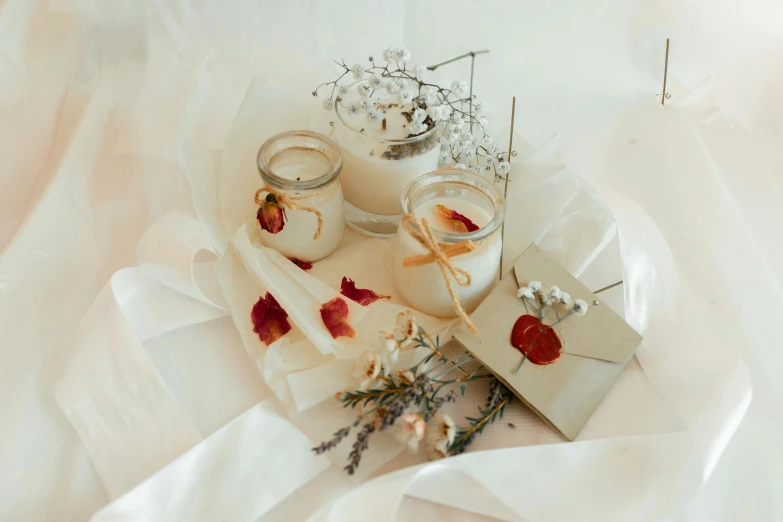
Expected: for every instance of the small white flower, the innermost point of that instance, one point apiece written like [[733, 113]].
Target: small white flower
[[480, 107], [419, 115], [565, 299], [503, 167], [487, 142], [407, 327], [482, 121], [419, 72], [525, 293], [327, 104], [550, 295], [363, 90], [445, 160], [534, 285], [459, 88], [375, 81], [395, 86], [580, 307], [402, 54], [461, 166], [374, 115], [404, 97], [412, 430], [441, 436], [343, 90], [417, 128], [489, 161], [388, 54], [354, 109], [406, 376], [392, 346], [358, 71], [368, 370], [367, 105]]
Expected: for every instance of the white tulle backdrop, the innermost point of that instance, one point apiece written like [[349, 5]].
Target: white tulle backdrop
[[114, 110]]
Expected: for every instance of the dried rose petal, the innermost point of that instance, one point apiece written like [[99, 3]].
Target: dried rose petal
[[462, 223], [304, 265], [270, 215], [536, 340], [362, 296], [270, 321], [334, 314]]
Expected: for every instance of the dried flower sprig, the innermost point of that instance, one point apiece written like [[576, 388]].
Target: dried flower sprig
[[408, 399], [499, 397], [465, 142]]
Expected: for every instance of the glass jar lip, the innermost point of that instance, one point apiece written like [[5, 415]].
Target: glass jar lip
[[469, 179], [414, 139], [330, 148]]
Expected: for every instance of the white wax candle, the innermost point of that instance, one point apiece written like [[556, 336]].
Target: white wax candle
[[296, 238], [424, 286], [374, 181]]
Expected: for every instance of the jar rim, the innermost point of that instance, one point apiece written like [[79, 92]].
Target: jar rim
[[413, 139], [328, 148], [469, 179]]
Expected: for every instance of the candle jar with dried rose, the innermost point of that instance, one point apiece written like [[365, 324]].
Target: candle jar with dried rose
[[300, 206], [380, 158], [462, 209]]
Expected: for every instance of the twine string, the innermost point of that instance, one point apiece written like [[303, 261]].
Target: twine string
[[421, 232], [284, 200]]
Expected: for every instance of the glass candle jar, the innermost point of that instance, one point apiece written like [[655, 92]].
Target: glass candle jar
[[471, 196], [379, 160], [300, 172]]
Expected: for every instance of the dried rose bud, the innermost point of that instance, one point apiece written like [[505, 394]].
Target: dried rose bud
[[334, 314], [271, 215], [270, 321], [461, 223], [304, 265], [362, 296]]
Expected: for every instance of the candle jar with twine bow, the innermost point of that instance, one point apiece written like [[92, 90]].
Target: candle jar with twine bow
[[300, 205], [448, 247]]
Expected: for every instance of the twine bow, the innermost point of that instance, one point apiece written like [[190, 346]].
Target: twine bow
[[284, 200], [420, 231]]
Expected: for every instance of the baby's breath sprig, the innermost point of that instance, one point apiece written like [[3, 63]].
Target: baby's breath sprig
[[460, 118]]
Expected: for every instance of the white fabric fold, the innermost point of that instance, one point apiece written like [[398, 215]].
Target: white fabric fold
[[239, 473], [110, 390]]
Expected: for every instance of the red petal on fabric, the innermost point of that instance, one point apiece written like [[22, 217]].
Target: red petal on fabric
[[362, 296], [270, 215], [304, 265], [536, 340], [466, 224], [334, 314], [270, 321]]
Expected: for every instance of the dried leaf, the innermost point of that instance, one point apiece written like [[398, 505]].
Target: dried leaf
[[334, 314], [461, 223], [362, 296], [537, 341], [304, 265], [270, 321], [270, 215]]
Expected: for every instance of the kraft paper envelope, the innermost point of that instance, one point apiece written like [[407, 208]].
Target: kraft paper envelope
[[596, 346]]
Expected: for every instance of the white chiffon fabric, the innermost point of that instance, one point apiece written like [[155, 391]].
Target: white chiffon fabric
[[130, 394]]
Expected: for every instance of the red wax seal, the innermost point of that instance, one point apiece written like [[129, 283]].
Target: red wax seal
[[537, 341]]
